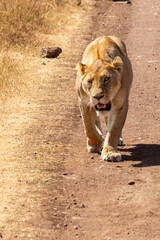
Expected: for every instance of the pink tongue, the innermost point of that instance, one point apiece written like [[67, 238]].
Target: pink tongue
[[100, 105]]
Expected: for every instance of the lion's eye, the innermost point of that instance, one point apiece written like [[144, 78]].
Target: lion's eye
[[106, 79], [90, 82]]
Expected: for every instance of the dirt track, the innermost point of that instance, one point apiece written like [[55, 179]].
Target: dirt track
[[51, 188]]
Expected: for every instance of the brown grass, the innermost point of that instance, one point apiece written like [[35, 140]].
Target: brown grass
[[24, 27], [9, 75], [21, 21]]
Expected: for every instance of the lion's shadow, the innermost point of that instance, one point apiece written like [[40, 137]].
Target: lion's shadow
[[147, 154]]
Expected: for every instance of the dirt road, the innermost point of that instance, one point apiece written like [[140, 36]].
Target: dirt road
[[50, 187]]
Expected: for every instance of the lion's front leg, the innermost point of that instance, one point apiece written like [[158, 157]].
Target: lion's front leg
[[120, 143], [92, 128], [115, 124]]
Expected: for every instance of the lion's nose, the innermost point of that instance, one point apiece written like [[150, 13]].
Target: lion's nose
[[98, 96]]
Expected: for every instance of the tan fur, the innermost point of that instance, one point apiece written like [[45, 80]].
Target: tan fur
[[105, 71]]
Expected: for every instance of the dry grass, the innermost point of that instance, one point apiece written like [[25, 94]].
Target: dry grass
[[9, 75], [24, 26], [21, 21]]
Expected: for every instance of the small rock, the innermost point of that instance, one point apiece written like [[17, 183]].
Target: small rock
[[115, 214], [119, 166], [139, 138], [101, 166], [65, 174], [76, 227], [50, 52], [91, 157], [65, 224], [150, 212], [131, 183], [82, 205], [58, 226], [74, 202], [1, 235]]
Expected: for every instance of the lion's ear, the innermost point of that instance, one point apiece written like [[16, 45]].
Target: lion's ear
[[81, 68], [118, 63]]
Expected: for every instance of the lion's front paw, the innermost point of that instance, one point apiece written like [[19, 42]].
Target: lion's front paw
[[111, 156]]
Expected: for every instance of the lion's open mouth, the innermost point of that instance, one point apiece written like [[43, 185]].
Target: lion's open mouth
[[103, 107]]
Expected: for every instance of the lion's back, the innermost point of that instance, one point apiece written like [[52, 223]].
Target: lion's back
[[105, 48]]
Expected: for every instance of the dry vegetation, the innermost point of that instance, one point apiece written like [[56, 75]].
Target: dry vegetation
[[22, 25], [9, 71], [21, 21]]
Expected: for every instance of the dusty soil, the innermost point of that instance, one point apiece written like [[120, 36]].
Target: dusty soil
[[50, 187]]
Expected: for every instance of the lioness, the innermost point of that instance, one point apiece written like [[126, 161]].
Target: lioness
[[103, 84]]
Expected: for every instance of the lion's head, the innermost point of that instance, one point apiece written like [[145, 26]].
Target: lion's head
[[100, 82]]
